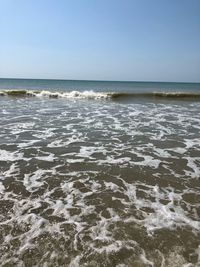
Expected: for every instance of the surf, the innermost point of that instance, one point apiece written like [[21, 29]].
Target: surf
[[100, 95]]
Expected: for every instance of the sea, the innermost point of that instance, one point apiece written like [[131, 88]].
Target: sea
[[99, 173]]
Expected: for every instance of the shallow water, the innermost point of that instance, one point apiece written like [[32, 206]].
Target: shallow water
[[99, 182]]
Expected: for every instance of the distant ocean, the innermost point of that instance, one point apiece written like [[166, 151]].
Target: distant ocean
[[97, 173]]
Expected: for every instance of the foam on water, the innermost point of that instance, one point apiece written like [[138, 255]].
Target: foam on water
[[69, 95], [50, 157], [2, 188], [34, 180], [90, 94], [10, 156], [100, 184], [193, 164]]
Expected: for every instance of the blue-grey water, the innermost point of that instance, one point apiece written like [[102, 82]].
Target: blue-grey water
[[99, 173], [100, 86]]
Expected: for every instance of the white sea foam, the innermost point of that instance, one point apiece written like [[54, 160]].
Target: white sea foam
[[34, 180], [72, 139], [27, 143], [45, 133], [50, 157], [99, 182], [161, 152], [2, 188], [148, 161], [179, 150], [192, 143], [168, 215], [145, 260], [73, 94], [20, 127], [111, 186], [112, 160], [10, 156], [13, 170], [194, 165], [87, 152], [75, 262]]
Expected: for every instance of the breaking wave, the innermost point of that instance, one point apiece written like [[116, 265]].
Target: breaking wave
[[100, 95], [50, 94]]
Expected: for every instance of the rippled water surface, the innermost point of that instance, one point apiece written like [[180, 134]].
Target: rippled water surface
[[99, 182]]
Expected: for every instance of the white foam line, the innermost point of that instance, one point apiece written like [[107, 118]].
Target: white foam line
[[73, 94], [27, 143], [51, 157]]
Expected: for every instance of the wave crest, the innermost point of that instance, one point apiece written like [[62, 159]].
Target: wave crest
[[50, 94], [99, 95]]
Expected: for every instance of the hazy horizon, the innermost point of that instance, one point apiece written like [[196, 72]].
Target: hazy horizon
[[90, 80]]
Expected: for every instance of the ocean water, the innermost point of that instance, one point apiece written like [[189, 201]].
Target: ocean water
[[99, 173]]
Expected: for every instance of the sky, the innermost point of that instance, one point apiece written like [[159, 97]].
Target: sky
[[130, 40]]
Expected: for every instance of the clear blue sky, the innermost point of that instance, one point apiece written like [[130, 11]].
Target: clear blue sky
[[144, 40]]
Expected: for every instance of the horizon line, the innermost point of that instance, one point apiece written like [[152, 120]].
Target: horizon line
[[93, 80]]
